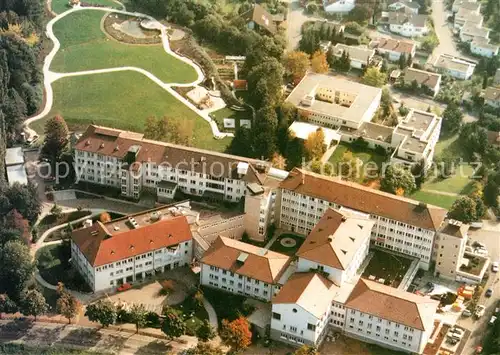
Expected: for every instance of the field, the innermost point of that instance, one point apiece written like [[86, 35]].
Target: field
[[122, 100], [388, 266], [59, 6], [459, 183], [85, 47], [434, 199]]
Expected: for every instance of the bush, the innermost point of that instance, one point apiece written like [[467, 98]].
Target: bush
[[380, 150], [360, 143], [153, 320]]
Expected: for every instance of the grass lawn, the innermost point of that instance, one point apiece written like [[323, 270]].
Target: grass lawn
[[193, 316], [434, 199], [123, 100], [85, 47], [458, 183], [365, 155], [53, 265], [50, 220], [226, 112], [449, 147], [279, 248], [59, 6], [226, 305], [387, 266]]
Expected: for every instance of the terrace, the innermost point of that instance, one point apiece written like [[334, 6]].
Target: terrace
[[388, 266]]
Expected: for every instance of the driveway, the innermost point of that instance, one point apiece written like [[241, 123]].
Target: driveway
[[295, 19]]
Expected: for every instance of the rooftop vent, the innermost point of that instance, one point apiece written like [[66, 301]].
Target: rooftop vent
[[112, 252], [360, 226], [352, 239], [87, 143], [155, 216], [101, 146], [343, 219], [343, 251], [330, 239], [131, 247], [133, 222], [170, 235], [116, 228], [242, 258], [116, 148]]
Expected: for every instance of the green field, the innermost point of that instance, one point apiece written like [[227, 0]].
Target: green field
[[365, 155], [459, 183], [59, 6], [104, 99], [226, 112], [85, 47], [434, 199]]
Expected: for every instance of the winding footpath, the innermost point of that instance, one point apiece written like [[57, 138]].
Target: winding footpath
[[50, 76]]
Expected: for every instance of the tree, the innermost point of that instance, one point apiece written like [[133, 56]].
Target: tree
[[297, 63], [315, 144], [138, 315], [319, 63], [17, 268], [56, 211], [490, 193], [452, 119], [402, 62], [360, 13], [464, 209], [173, 326], [236, 334], [373, 77], [56, 138], [34, 304], [474, 138], [349, 167], [102, 311], [105, 217], [278, 161], [205, 332], [241, 144], [7, 305], [24, 198], [264, 132], [205, 349], [68, 305], [265, 81], [398, 180], [306, 350], [418, 171]]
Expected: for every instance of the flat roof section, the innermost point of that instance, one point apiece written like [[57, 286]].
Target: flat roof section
[[365, 95], [17, 173], [14, 156]]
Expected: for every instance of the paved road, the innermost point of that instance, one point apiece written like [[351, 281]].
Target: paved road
[[489, 235], [295, 19], [103, 340]]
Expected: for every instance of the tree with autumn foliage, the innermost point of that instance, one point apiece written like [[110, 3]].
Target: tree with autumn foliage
[[56, 138], [67, 305], [105, 217], [306, 350], [398, 180], [296, 64], [236, 334], [7, 305], [319, 64], [315, 144], [278, 161]]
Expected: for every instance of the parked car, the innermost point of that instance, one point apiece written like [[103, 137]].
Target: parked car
[[492, 320], [476, 224], [494, 266], [466, 313], [479, 311], [489, 292], [459, 331]]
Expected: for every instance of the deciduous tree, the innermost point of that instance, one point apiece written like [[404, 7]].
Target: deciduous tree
[[105, 217], [138, 315], [56, 138], [464, 209], [373, 77], [102, 311], [205, 332], [319, 63], [205, 349], [7, 305], [236, 334], [306, 350], [17, 268], [452, 119], [68, 305], [34, 304], [397, 180], [315, 144], [173, 326], [297, 63]]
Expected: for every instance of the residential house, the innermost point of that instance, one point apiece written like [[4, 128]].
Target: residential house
[[471, 4], [464, 15], [360, 57], [130, 249], [257, 18], [470, 32], [407, 6], [393, 48], [395, 319], [244, 269], [492, 97], [423, 78], [338, 6], [482, 48], [455, 67], [408, 25]]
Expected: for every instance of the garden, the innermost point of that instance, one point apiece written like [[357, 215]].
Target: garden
[[226, 112], [123, 100], [55, 219], [85, 47], [54, 266], [388, 266], [226, 305], [287, 244]]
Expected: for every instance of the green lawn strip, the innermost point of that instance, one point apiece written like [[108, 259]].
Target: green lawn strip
[[365, 155], [434, 199], [226, 112], [85, 47], [449, 147], [279, 248], [458, 183], [59, 6], [123, 100], [192, 316]]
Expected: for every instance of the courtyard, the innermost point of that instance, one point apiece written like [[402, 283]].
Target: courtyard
[[387, 266], [287, 244]]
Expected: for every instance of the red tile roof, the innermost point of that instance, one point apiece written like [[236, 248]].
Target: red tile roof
[[100, 247], [364, 199]]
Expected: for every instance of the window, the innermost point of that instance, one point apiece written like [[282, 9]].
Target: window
[[311, 327], [293, 329], [276, 316]]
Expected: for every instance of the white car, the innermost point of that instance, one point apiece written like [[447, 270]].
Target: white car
[[494, 266], [492, 320], [479, 311], [466, 313]]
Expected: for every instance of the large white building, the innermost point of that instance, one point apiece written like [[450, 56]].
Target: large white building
[[400, 224], [130, 249], [243, 269], [338, 6], [408, 25], [455, 67]]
